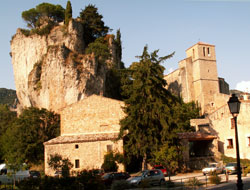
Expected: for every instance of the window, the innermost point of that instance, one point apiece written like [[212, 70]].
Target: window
[[248, 141], [109, 148], [230, 143], [77, 164], [76, 146], [232, 123], [208, 51], [204, 51], [193, 54]]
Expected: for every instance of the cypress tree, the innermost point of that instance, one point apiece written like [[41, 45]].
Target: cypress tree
[[68, 13], [147, 106]]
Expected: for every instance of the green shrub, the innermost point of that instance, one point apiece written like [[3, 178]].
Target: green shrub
[[109, 164], [194, 182], [25, 32], [120, 185], [246, 171], [214, 179]]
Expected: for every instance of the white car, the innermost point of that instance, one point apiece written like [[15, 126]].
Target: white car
[[212, 168], [151, 176]]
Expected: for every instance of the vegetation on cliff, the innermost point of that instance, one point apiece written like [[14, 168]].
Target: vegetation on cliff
[[8, 97], [93, 24], [68, 13]]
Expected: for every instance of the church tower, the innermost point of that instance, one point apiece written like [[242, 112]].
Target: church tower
[[204, 74]]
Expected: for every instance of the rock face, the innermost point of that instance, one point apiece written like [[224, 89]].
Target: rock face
[[52, 72]]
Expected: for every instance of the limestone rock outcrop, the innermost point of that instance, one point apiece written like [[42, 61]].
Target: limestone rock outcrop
[[52, 71]]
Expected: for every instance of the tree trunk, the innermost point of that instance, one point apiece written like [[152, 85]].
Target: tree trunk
[[144, 162]]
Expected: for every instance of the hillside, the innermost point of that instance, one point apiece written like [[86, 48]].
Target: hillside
[[8, 96]]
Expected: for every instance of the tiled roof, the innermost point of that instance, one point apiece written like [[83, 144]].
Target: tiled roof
[[82, 138], [196, 136]]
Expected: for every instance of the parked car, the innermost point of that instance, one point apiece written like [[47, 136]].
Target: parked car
[[108, 178], [160, 167], [151, 176], [212, 168], [58, 173], [34, 174], [231, 168]]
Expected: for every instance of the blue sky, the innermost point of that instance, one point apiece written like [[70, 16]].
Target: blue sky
[[168, 25]]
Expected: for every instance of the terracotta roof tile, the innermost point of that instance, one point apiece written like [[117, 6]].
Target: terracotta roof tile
[[82, 138]]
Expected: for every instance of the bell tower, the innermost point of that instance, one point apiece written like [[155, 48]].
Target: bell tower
[[204, 74]]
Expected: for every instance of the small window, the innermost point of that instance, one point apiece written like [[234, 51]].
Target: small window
[[193, 54], [248, 140], [109, 148], [204, 51], [77, 164], [232, 123], [76, 146], [208, 51], [230, 143]]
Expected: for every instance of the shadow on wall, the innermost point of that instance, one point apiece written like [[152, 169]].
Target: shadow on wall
[[220, 145], [175, 88]]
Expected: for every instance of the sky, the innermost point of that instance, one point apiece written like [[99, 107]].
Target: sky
[[167, 25]]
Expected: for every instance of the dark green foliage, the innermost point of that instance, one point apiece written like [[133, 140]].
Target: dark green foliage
[[43, 13], [183, 112], [148, 106], [23, 141], [85, 180], [57, 163], [93, 25], [100, 48], [7, 117], [109, 164], [68, 13], [119, 44], [113, 83], [89, 180], [7, 96]]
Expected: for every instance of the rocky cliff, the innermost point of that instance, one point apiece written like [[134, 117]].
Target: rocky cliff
[[52, 71]]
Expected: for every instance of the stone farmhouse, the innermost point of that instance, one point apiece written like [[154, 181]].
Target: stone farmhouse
[[88, 131], [90, 126]]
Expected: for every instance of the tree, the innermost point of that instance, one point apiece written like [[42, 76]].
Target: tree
[[148, 106], [43, 13], [68, 13], [23, 141], [7, 117], [93, 25], [57, 162], [168, 156], [109, 164]]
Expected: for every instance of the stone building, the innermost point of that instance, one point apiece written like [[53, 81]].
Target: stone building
[[197, 80], [89, 129]]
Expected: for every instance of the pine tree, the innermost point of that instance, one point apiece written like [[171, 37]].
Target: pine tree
[[93, 25], [119, 49], [148, 106], [68, 13]]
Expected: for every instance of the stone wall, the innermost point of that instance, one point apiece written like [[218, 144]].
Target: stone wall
[[220, 122], [94, 114]]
